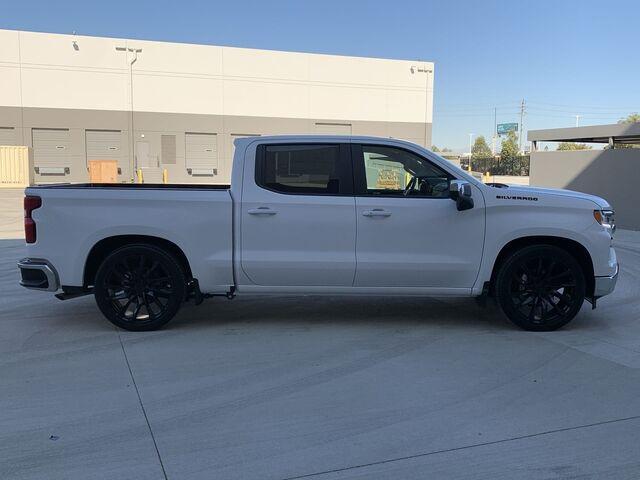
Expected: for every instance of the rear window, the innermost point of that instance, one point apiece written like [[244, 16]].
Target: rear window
[[302, 169]]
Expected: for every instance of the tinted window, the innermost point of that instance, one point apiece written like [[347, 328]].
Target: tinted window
[[301, 169], [394, 171]]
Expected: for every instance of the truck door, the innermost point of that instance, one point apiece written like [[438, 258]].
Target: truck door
[[298, 222], [410, 233]]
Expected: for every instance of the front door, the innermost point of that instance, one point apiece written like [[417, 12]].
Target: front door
[[298, 216], [410, 234]]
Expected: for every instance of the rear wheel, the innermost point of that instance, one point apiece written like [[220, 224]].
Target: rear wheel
[[540, 287], [139, 287]]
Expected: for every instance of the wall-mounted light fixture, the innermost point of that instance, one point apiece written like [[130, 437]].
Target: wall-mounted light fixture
[[75, 46]]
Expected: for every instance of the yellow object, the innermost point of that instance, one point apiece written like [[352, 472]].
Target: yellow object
[[15, 171], [165, 175], [139, 173]]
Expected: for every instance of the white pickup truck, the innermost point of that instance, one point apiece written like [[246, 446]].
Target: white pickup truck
[[321, 215]]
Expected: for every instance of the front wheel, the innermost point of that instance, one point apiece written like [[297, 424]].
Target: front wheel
[[139, 287], [540, 287]]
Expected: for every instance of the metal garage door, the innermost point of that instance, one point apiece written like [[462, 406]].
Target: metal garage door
[[7, 136], [51, 148], [233, 136], [104, 145], [201, 153], [326, 128]]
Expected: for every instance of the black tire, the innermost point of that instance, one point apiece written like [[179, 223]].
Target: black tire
[[139, 287], [540, 287]]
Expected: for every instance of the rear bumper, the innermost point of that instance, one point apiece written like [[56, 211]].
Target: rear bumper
[[38, 274], [605, 285]]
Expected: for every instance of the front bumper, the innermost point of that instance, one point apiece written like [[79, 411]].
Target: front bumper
[[605, 285], [38, 274]]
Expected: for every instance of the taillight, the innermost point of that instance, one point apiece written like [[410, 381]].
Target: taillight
[[30, 204]]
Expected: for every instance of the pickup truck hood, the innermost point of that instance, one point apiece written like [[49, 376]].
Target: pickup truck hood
[[531, 191]]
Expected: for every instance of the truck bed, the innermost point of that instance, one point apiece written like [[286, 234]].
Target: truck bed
[[136, 186], [74, 218]]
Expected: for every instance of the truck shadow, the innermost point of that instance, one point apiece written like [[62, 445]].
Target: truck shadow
[[307, 311]]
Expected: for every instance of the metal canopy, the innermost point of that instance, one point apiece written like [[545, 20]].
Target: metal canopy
[[615, 133]]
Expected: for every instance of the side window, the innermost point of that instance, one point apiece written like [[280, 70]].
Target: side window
[[393, 171], [301, 169]]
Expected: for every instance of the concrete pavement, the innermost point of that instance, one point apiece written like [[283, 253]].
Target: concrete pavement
[[311, 387]]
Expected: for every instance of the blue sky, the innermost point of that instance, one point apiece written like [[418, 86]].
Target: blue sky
[[564, 57]]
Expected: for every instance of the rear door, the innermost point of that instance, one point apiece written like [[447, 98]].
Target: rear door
[[410, 233], [298, 224]]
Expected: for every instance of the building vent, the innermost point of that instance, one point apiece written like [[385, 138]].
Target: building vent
[[168, 149]]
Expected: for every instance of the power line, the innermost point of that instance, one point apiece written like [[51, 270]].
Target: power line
[[592, 107]]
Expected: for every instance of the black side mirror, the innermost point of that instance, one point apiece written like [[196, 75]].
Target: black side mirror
[[460, 192]]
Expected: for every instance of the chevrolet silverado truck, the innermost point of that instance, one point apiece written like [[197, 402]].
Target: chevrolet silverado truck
[[321, 215]]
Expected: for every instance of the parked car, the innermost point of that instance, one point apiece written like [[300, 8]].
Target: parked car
[[322, 215]]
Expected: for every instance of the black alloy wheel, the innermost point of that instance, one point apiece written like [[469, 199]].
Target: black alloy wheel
[[139, 287], [541, 287]]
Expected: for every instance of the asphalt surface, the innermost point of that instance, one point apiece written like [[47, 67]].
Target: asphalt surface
[[316, 388]]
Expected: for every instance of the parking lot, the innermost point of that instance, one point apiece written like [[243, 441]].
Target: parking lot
[[283, 388]]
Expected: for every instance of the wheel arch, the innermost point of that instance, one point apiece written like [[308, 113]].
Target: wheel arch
[[572, 247], [107, 245]]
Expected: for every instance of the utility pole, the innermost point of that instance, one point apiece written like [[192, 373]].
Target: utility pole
[[470, 148], [495, 131], [577, 120], [522, 112]]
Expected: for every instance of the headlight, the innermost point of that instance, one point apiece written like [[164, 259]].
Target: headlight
[[607, 219]]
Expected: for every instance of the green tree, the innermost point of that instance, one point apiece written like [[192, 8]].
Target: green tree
[[434, 148], [573, 146], [632, 118], [509, 150], [480, 149]]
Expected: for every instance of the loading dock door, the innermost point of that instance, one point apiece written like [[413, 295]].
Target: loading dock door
[[104, 154], [201, 153], [104, 145], [51, 151], [233, 137], [7, 136]]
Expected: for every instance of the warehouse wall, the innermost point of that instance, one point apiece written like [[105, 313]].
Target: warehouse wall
[[611, 174], [80, 83]]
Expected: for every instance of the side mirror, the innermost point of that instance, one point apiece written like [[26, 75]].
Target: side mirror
[[460, 192]]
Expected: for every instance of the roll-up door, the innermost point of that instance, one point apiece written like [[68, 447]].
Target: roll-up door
[[51, 150], [104, 145], [233, 137], [201, 153], [7, 136]]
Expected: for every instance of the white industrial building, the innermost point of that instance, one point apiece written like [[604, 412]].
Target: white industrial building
[[73, 99]]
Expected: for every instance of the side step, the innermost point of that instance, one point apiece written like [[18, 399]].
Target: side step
[[198, 297]]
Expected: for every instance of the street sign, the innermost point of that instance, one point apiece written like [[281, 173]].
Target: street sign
[[504, 128]]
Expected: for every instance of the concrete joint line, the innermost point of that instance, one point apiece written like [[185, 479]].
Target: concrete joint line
[[466, 447], [144, 412]]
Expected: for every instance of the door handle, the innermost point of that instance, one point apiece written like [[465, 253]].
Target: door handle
[[376, 212], [261, 211]]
